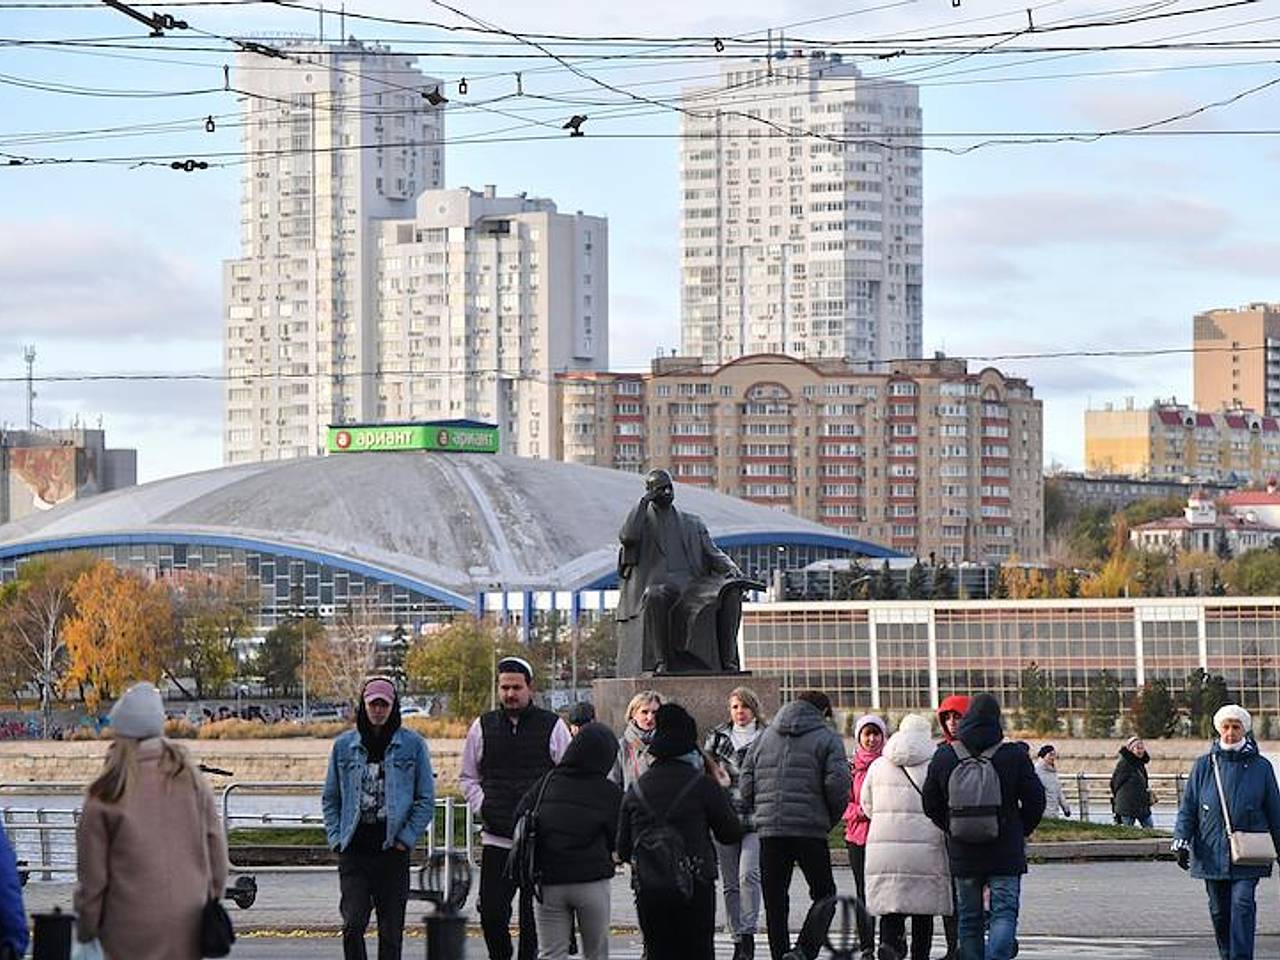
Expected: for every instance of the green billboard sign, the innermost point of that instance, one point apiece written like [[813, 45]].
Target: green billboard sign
[[453, 438]]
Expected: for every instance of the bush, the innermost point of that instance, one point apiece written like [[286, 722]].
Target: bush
[[237, 729], [442, 728], [180, 728]]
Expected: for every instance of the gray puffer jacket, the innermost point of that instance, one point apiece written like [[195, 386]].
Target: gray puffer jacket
[[796, 775]]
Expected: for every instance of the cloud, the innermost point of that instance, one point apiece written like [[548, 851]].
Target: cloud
[[91, 280], [1107, 107], [1039, 218], [1252, 258]]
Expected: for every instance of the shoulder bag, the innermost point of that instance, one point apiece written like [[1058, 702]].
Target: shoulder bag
[[522, 867], [1247, 849], [216, 931]]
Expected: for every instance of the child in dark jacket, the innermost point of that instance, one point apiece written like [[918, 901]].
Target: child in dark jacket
[[577, 826]]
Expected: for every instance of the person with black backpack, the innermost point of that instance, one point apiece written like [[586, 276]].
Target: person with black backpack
[[575, 806], [983, 793], [668, 818]]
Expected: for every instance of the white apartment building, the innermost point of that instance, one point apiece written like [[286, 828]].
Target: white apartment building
[[801, 228], [333, 144], [481, 301]]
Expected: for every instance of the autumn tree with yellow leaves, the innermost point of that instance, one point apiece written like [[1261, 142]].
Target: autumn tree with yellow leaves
[[121, 631]]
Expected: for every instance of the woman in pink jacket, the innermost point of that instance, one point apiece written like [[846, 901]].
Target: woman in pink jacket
[[869, 735]]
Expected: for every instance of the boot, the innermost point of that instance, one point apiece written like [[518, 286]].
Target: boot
[[745, 947]]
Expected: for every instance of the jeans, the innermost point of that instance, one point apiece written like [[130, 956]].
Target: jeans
[[676, 929], [779, 856], [740, 874], [496, 893], [1235, 913], [866, 923], [368, 882], [1140, 821], [893, 931], [561, 902], [1002, 929]]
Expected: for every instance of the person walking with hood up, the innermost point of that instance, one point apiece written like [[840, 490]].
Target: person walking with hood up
[[983, 792], [1232, 788], [1130, 788], [378, 801], [576, 832], [950, 712], [907, 870], [868, 736], [796, 778], [150, 851]]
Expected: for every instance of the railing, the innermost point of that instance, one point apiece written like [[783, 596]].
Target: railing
[[44, 836], [1095, 803]]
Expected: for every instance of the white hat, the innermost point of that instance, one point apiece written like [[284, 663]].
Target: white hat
[[1232, 711], [139, 713], [914, 723]]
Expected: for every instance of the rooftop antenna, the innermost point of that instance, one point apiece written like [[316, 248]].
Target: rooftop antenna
[[321, 11], [29, 358], [342, 21]]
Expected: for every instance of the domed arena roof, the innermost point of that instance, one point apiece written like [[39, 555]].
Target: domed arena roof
[[454, 524]]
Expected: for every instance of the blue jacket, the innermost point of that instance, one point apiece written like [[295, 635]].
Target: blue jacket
[[13, 915], [410, 787], [1252, 797]]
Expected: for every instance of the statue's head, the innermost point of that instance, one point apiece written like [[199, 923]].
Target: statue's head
[[658, 484]]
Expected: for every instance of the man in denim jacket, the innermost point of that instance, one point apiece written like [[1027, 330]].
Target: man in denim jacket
[[379, 797]]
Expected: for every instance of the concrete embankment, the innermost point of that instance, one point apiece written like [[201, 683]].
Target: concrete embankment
[[305, 759]]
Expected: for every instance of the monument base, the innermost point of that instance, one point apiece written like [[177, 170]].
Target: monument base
[[705, 695]]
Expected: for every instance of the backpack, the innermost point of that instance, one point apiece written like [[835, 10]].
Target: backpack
[[659, 861], [974, 797]]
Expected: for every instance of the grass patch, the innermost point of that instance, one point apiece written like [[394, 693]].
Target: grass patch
[[1061, 831]]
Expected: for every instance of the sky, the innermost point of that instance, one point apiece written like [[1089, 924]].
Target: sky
[[1030, 248]]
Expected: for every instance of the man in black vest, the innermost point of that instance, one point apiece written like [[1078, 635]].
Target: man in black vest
[[507, 750]]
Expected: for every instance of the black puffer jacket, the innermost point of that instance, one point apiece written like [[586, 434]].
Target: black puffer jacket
[[704, 808], [1021, 792], [795, 777], [1129, 786], [578, 820]]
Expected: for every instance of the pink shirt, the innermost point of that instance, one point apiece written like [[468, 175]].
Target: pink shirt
[[857, 824]]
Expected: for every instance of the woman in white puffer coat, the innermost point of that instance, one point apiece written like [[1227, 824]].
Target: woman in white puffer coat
[[907, 868]]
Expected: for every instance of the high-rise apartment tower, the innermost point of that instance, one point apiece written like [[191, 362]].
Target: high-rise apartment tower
[[802, 223], [336, 138]]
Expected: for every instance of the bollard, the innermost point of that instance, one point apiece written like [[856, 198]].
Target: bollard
[[446, 935], [52, 938]]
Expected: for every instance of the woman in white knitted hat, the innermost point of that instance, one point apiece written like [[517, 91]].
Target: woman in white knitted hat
[[149, 846], [1232, 788]]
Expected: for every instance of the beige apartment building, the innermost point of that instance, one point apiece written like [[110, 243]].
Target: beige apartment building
[[1237, 359], [926, 458], [1170, 440]]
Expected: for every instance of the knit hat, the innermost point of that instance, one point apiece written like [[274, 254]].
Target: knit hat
[[1128, 744], [675, 734], [915, 724], [869, 719], [139, 713], [1047, 749], [1232, 711]]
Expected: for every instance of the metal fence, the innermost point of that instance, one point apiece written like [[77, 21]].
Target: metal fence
[[41, 824]]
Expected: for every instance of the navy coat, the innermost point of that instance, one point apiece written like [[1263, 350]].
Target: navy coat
[[1252, 797]]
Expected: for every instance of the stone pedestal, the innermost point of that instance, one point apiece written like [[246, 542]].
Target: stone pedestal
[[706, 696]]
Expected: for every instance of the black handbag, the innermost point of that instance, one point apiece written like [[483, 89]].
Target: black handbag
[[217, 933], [522, 866]]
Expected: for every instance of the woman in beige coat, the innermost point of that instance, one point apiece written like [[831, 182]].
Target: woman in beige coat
[[149, 845], [907, 870]]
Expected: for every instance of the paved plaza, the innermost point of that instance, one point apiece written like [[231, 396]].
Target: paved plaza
[[1086, 911]]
